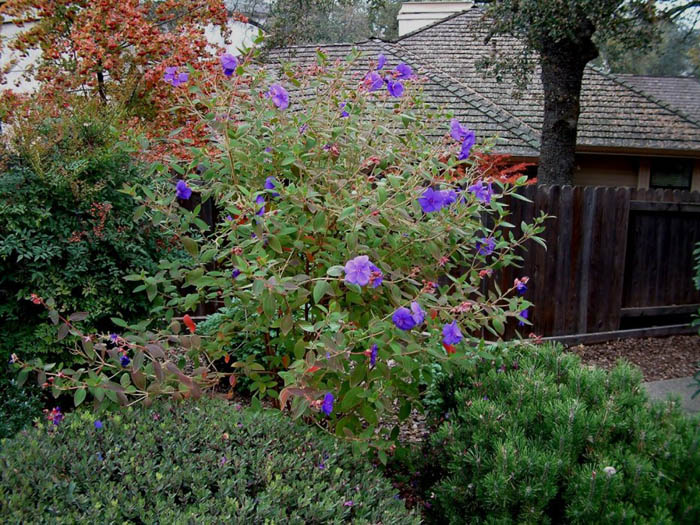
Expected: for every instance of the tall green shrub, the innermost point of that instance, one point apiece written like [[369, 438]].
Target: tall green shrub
[[538, 438], [195, 463], [66, 228]]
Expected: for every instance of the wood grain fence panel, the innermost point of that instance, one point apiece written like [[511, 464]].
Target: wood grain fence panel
[[573, 300], [611, 252], [565, 262]]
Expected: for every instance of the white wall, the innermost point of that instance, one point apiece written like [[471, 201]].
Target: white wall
[[415, 15], [241, 35]]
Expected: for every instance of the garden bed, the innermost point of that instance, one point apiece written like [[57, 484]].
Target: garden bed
[[658, 357]]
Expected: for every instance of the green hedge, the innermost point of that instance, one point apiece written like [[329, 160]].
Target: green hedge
[[202, 462], [539, 438]]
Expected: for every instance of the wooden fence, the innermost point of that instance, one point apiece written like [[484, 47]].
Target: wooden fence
[[614, 256]]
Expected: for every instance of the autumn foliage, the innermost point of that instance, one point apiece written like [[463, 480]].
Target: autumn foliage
[[116, 52]]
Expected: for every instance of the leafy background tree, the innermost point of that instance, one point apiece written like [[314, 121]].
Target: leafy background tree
[[291, 22], [673, 51]]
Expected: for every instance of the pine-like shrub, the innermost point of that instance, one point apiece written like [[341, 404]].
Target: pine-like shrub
[[188, 463], [538, 438]]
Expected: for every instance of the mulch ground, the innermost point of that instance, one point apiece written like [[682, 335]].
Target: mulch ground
[[658, 357]]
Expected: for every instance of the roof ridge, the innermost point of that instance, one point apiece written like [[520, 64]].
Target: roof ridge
[[437, 23], [646, 95], [684, 77], [522, 130]]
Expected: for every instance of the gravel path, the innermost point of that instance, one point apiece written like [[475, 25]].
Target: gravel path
[[658, 357]]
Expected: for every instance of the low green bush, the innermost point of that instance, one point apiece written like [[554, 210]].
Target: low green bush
[[204, 462], [538, 438], [18, 407]]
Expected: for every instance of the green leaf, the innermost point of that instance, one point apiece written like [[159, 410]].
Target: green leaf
[[22, 377], [119, 322], [78, 316], [191, 246], [79, 396], [335, 271], [320, 289], [351, 398]]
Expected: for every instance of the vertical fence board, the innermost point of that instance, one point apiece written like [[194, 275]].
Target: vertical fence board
[[603, 255]]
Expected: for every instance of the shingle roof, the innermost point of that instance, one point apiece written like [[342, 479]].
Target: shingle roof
[[681, 93], [615, 114]]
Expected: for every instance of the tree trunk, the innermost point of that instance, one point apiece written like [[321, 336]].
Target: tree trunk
[[562, 65]]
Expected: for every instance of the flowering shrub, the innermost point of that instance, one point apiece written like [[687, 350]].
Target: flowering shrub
[[358, 247], [172, 463]]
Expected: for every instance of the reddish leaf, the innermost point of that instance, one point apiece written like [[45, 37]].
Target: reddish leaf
[[449, 348], [189, 323]]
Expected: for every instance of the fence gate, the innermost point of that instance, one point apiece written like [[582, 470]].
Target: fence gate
[[616, 257]]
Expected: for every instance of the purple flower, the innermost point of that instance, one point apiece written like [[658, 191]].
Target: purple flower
[[229, 218], [98, 424], [327, 405], [457, 131], [395, 88], [431, 200], [486, 245], [451, 334], [403, 319], [182, 190], [520, 286], [482, 192], [448, 197], [467, 144], [376, 277], [55, 416], [417, 313], [229, 63], [343, 114], [404, 71], [173, 77], [124, 361], [113, 337], [271, 184], [223, 461], [321, 466], [279, 96], [348, 503], [374, 81], [359, 270], [381, 61], [235, 273], [524, 315], [373, 355], [260, 201]]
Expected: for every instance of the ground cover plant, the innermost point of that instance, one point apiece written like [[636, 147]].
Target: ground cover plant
[[203, 462], [534, 437], [349, 238]]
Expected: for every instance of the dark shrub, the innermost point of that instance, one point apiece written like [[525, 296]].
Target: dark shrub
[[538, 438], [18, 406], [68, 231], [202, 462]]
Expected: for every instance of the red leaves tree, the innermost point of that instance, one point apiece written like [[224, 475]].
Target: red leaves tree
[[114, 51]]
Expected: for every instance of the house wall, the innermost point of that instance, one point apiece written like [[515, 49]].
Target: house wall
[[620, 170], [606, 170]]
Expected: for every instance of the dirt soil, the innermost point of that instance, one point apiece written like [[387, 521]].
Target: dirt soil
[[659, 357]]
